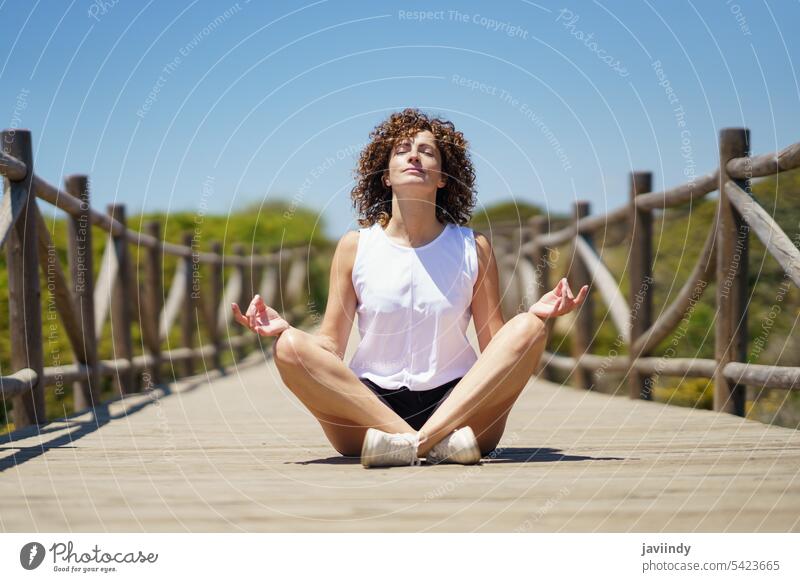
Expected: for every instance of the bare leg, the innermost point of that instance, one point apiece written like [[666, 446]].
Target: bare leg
[[344, 407], [484, 397]]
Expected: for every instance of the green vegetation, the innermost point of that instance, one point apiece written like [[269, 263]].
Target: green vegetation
[[679, 235], [774, 304], [504, 212], [258, 228]]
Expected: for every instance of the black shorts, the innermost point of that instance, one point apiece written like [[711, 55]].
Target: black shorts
[[415, 407]]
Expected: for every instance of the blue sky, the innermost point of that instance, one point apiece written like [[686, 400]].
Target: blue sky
[[205, 106]]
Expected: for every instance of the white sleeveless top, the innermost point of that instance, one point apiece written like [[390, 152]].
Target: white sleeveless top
[[414, 306]]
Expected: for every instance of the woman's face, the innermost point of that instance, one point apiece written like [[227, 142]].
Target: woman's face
[[415, 162]]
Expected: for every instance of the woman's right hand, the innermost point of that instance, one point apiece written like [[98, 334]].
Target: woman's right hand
[[261, 318]]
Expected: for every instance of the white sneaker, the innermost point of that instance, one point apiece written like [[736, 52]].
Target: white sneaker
[[460, 447], [383, 449]]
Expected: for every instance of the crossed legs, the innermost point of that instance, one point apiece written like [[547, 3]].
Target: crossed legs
[[345, 408]]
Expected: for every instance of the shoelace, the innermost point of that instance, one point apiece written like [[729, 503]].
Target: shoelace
[[416, 461], [402, 442], [443, 449]]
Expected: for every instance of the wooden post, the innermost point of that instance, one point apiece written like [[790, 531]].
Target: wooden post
[[540, 256], [189, 311], [284, 302], [121, 297], [541, 265], [256, 273], [730, 340], [153, 301], [516, 286], [641, 274], [584, 318], [244, 297], [86, 392], [212, 302], [24, 290]]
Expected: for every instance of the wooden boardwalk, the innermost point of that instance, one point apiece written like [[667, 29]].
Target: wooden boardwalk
[[239, 453]]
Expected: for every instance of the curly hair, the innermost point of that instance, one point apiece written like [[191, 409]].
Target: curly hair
[[372, 198]]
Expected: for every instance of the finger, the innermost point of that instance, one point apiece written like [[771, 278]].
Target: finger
[[237, 314], [268, 330], [258, 303], [569, 294], [582, 295], [558, 308], [251, 309], [263, 330]]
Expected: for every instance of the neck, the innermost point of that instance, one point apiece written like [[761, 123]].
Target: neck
[[414, 220]]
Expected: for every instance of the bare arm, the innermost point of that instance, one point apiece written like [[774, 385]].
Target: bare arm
[[486, 312], [340, 311], [338, 322]]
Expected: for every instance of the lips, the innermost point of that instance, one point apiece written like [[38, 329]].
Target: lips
[[420, 170]]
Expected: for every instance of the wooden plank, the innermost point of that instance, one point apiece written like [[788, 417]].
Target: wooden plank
[[584, 328], [763, 376], [245, 296], [153, 296], [175, 300], [12, 168], [540, 255], [730, 338], [232, 294], [121, 305], [746, 168], [640, 261], [18, 383], [13, 203], [509, 289], [24, 291], [779, 245], [56, 283], [86, 391], [681, 367], [604, 282], [106, 279], [269, 286], [212, 302], [661, 366], [188, 313], [679, 195]]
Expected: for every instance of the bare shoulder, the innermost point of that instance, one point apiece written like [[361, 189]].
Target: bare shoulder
[[347, 247], [484, 246], [349, 241]]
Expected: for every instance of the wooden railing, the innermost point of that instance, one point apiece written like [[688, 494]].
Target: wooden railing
[[84, 304], [525, 263]]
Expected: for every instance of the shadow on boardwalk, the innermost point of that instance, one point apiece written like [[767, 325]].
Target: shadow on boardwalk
[[112, 409], [500, 455]]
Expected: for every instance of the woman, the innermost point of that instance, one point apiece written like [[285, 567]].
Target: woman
[[415, 387]]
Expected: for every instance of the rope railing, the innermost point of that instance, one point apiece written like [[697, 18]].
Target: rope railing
[[84, 304], [723, 257]]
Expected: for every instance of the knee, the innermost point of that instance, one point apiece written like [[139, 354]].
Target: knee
[[287, 350], [527, 332]]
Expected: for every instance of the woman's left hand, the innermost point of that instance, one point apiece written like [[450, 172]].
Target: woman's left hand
[[559, 301]]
